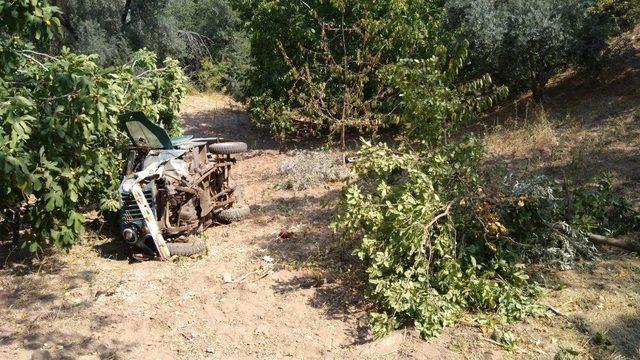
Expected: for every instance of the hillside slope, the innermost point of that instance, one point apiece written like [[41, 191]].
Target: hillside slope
[[584, 127]]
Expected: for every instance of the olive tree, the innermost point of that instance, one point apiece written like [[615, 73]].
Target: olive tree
[[523, 43]]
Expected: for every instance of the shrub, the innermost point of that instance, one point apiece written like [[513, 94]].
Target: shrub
[[323, 71], [624, 14], [523, 43], [436, 242], [425, 265], [211, 75], [60, 148]]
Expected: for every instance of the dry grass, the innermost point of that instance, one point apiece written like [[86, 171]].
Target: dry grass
[[305, 169], [535, 137]]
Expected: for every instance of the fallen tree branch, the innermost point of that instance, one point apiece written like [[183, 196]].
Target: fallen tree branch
[[629, 245], [445, 211]]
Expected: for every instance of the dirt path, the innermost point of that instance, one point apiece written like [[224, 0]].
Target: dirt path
[[291, 295]]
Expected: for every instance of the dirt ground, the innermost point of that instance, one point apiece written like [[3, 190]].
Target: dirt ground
[[280, 285]]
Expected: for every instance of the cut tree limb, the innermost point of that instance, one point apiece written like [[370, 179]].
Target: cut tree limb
[[625, 244]]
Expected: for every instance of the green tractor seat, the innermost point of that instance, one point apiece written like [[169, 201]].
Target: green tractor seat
[[144, 133]]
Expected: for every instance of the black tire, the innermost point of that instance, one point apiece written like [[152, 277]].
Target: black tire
[[234, 214], [228, 148], [186, 249]]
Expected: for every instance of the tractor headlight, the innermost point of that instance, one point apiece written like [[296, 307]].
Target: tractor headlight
[[130, 234]]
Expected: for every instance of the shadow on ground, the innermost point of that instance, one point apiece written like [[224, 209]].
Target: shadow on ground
[[624, 336], [35, 292], [320, 260]]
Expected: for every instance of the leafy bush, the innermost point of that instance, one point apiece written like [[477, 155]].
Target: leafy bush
[[624, 13], [323, 72], [424, 264], [523, 43], [549, 221], [436, 242], [60, 148], [211, 75]]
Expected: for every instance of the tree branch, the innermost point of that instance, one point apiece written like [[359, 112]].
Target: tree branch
[[625, 244]]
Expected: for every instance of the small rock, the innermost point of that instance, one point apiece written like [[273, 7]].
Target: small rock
[[496, 335], [491, 355], [389, 344], [41, 355], [267, 258], [227, 278]]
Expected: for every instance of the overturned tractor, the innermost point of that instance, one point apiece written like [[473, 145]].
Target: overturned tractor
[[174, 187]]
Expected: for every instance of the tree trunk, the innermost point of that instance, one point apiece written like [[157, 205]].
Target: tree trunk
[[538, 84], [538, 90], [125, 13], [15, 241]]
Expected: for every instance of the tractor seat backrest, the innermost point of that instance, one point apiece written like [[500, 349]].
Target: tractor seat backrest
[[144, 133]]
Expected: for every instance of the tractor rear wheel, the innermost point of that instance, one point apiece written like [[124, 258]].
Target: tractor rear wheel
[[228, 148]]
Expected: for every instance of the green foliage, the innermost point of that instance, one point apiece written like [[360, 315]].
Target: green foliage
[[409, 208], [625, 14], [33, 18], [197, 32], [61, 147], [211, 75], [523, 43], [598, 208], [274, 116], [549, 220], [434, 241], [327, 70], [215, 45], [156, 91], [114, 31], [421, 269], [214, 20], [432, 102]]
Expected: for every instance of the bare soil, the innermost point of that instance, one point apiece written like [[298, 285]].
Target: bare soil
[[280, 285]]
